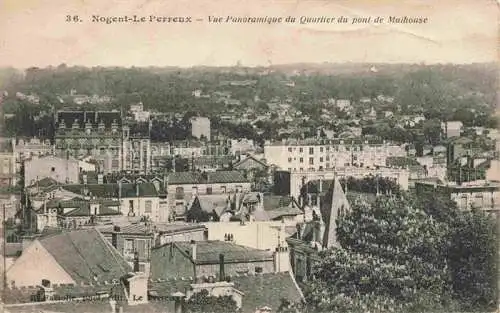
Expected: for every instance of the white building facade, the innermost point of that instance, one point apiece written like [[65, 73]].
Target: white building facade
[[317, 155]]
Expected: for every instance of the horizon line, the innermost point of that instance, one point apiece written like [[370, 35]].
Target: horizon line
[[243, 66]]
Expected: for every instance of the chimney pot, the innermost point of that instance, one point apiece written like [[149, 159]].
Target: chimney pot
[[222, 273], [193, 249]]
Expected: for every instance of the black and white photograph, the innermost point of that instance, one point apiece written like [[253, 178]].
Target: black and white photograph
[[249, 156]]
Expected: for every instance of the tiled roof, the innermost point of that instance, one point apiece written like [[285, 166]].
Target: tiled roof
[[112, 190], [267, 290], [82, 207], [250, 158], [209, 203], [226, 177], [180, 178], [86, 256], [283, 211], [275, 201], [259, 290], [207, 252], [142, 229]]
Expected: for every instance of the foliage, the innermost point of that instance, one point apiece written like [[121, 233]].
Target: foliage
[[202, 302], [473, 256], [392, 259], [196, 214]]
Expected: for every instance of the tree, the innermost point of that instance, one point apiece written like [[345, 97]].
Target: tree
[[472, 251], [202, 302], [473, 258], [196, 214], [392, 258]]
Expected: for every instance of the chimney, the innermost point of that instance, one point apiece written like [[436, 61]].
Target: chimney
[[137, 190], [222, 273], [179, 301], [114, 236], [85, 180], [193, 250], [136, 262], [281, 259]]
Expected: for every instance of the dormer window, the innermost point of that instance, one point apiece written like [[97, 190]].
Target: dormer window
[[101, 126], [88, 127], [62, 125], [75, 124]]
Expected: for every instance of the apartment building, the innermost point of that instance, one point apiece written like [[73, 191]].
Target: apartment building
[[317, 155]]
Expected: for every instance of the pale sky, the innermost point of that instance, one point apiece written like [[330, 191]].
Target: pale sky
[[34, 33]]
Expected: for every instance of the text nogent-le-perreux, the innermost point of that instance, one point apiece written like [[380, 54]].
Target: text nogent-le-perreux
[[140, 19]]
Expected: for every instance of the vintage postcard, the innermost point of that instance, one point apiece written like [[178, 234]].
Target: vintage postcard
[[249, 156]]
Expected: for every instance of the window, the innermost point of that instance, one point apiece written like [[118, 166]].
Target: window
[[311, 161], [301, 160], [53, 169], [321, 159], [223, 189], [195, 190], [327, 148], [320, 149], [327, 158], [289, 160], [311, 150], [301, 150], [327, 165], [129, 246], [301, 169], [258, 269], [148, 206], [289, 149], [209, 190]]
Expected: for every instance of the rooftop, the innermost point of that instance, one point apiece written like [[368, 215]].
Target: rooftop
[[259, 290], [207, 252], [86, 256], [180, 178]]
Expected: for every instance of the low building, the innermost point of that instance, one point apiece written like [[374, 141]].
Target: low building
[[140, 238], [76, 212], [135, 200], [205, 259], [481, 195], [70, 258]]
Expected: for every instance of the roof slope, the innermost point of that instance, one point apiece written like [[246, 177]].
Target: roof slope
[[86, 256], [266, 290], [334, 201], [207, 252]]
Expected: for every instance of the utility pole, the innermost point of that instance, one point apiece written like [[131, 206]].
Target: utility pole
[[4, 249]]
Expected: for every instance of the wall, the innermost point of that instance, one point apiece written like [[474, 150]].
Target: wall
[[257, 235], [296, 157], [140, 206], [196, 235], [34, 265], [61, 170]]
